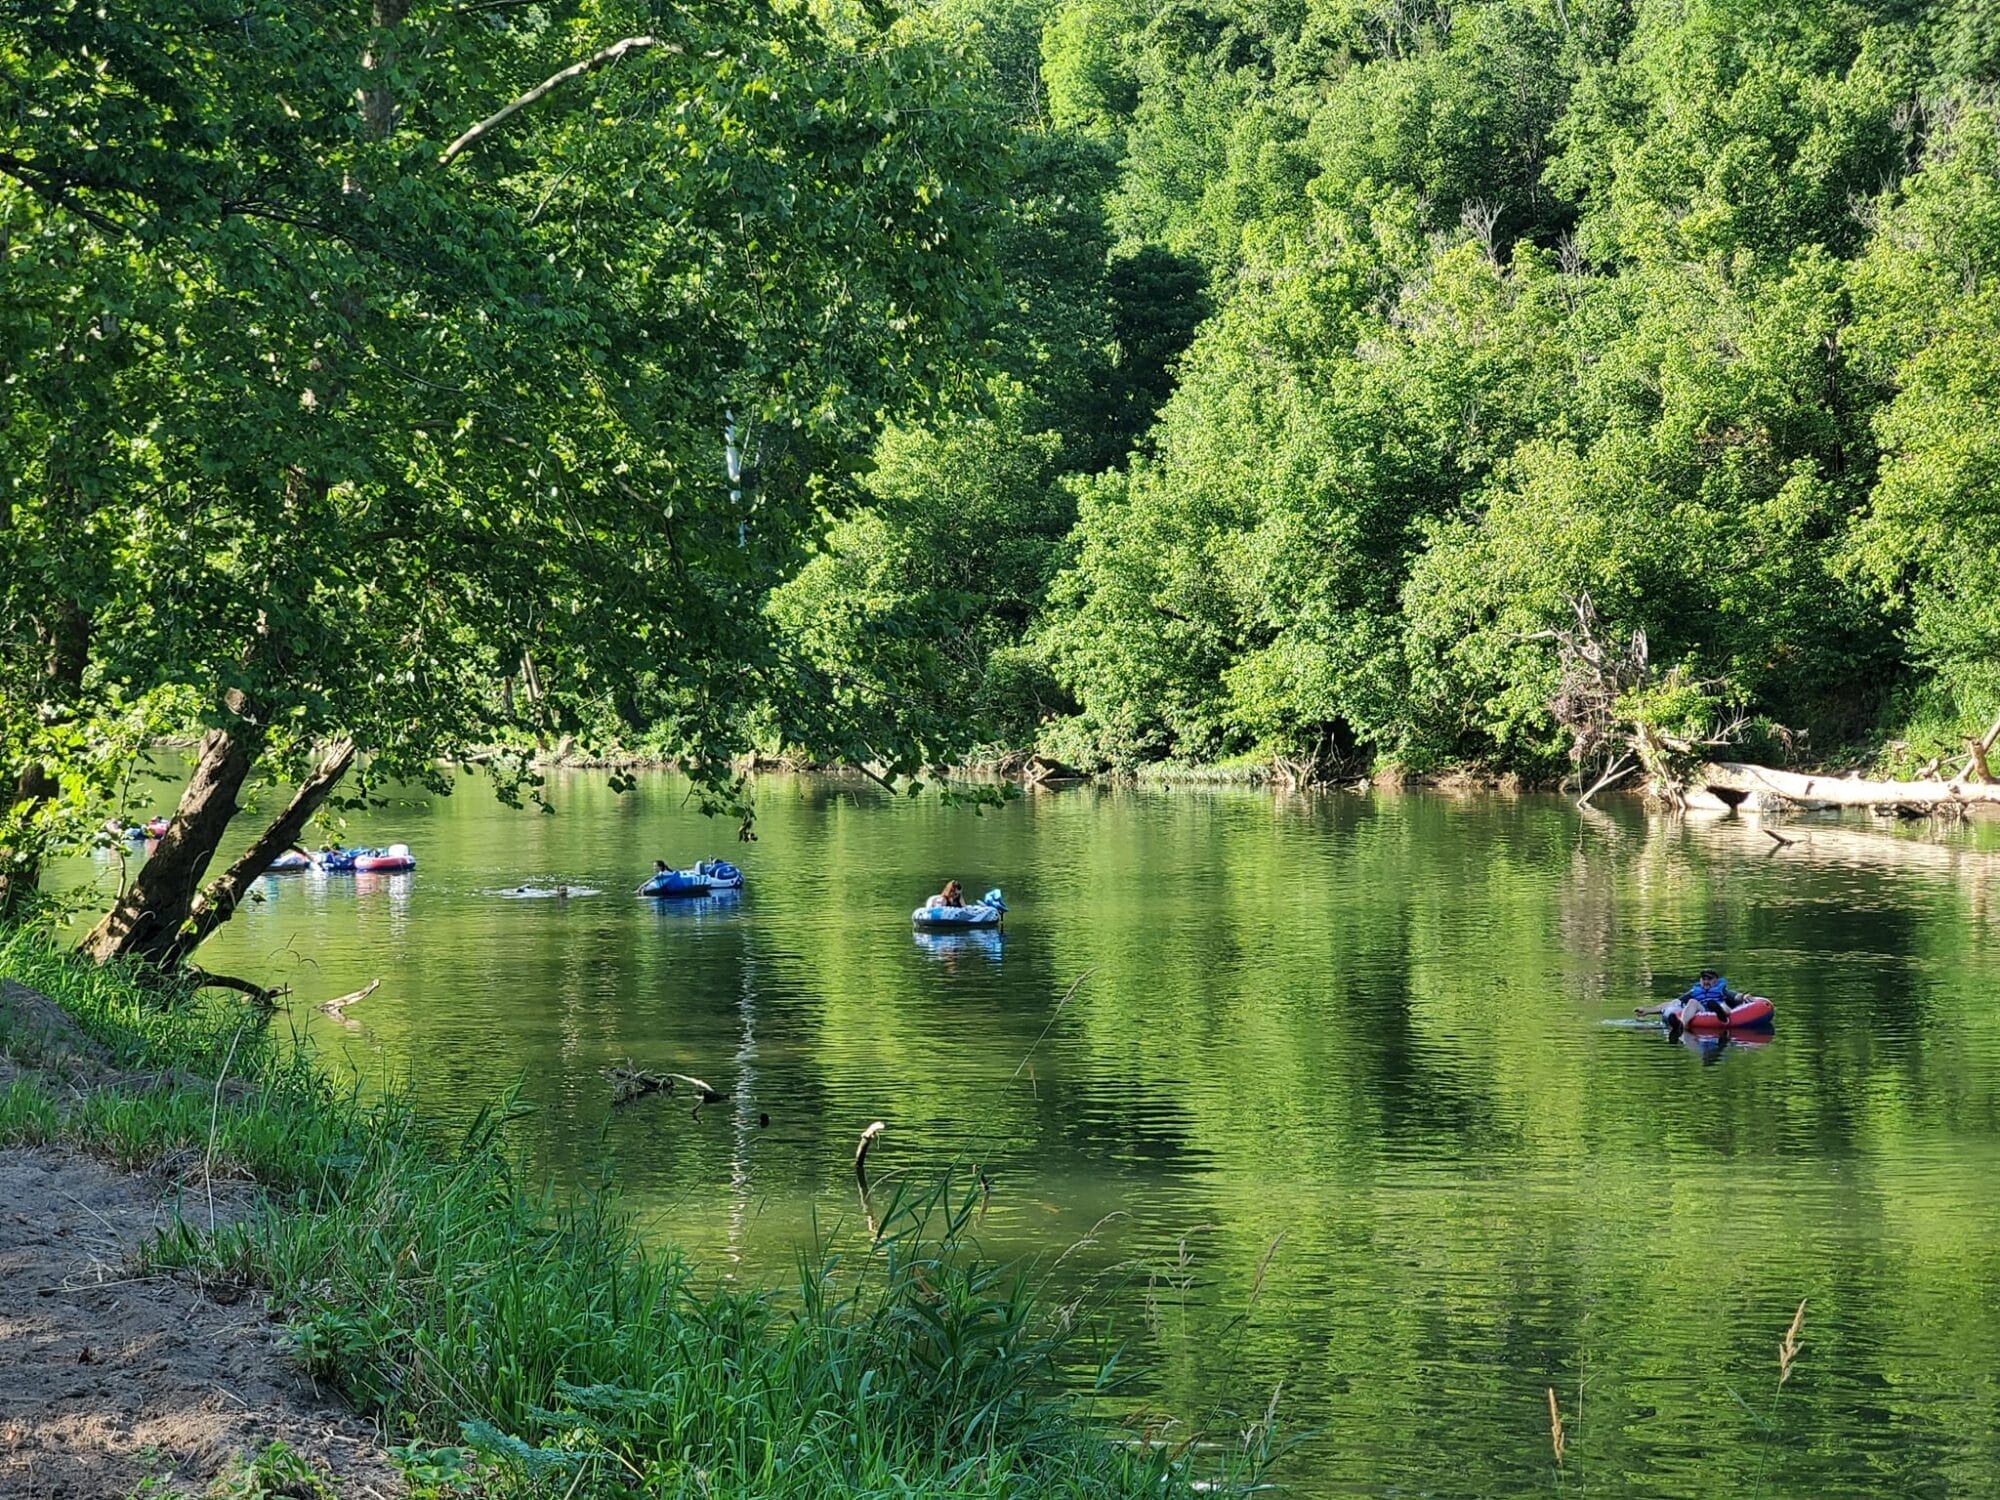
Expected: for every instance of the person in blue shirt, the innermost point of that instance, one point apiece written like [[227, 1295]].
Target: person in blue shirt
[[1710, 992]]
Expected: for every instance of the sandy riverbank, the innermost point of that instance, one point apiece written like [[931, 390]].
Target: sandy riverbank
[[113, 1375]]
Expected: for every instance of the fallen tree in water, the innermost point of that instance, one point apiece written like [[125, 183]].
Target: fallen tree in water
[[1626, 716], [1735, 781]]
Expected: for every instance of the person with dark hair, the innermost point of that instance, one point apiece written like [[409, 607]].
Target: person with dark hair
[[1710, 992]]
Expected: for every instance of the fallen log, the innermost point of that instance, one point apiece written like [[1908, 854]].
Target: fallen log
[[264, 995], [1732, 781], [630, 1083], [339, 1003]]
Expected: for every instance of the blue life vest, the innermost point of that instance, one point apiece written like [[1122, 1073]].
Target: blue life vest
[[1719, 991]]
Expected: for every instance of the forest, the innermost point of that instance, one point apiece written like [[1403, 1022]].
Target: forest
[[391, 387], [1348, 347]]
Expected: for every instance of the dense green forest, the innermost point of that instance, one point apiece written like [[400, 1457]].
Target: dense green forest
[[395, 383], [1347, 343]]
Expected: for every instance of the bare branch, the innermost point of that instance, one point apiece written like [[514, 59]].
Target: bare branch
[[590, 64]]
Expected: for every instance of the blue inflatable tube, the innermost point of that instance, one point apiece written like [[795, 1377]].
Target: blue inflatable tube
[[705, 879], [935, 916]]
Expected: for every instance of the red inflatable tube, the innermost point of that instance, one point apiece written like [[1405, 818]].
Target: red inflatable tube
[[1751, 1010]]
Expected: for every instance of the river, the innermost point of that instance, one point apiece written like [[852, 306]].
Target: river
[[1346, 1105]]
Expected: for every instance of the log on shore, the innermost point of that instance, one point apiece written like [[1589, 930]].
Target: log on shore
[[1732, 781]]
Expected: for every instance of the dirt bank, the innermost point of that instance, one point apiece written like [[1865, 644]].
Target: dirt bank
[[110, 1377]]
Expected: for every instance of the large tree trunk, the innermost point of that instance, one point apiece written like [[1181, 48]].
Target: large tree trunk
[[147, 921], [167, 912], [218, 902], [1732, 781]]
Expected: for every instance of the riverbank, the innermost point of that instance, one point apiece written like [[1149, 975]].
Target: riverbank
[[507, 1338]]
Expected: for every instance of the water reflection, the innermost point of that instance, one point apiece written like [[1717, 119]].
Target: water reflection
[[1367, 1030], [950, 947], [708, 907]]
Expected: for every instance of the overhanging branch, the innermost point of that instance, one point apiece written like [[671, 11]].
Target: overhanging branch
[[590, 64]]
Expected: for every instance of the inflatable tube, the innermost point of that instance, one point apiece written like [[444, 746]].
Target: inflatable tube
[[1748, 1011], [670, 883], [291, 859], [937, 917], [705, 879], [384, 861], [722, 875]]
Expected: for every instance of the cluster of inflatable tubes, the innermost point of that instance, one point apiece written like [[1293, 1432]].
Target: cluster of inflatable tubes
[[152, 828], [389, 861], [705, 879], [985, 912], [1748, 1013]]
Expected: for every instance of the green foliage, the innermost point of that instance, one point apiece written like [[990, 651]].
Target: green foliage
[[275, 1472], [1146, 383], [1087, 66], [918, 599], [1517, 303], [1727, 127], [1929, 293], [337, 434]]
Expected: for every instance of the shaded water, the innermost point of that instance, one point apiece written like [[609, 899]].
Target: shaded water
[[1376, 1032]]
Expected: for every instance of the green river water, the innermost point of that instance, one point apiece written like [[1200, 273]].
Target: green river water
[[1343, 1111]]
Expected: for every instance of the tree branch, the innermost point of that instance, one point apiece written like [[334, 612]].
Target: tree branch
[[43, 186], [215, 904], [263, 994], [590, 64]]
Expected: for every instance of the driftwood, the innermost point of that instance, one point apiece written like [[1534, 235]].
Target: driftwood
[[861, 1156], [632, 1083], [263, 995], [861, 1178], [1980, 749], [340, 1003], [1732, 781]]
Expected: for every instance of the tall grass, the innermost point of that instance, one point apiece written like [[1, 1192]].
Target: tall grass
[[139, 1020], [533, 1344]]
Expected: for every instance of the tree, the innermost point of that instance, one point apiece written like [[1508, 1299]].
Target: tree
[[917, 604], [1929, 293], [337, 420]]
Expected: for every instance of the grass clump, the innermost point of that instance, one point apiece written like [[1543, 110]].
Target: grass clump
[[526, 1343]]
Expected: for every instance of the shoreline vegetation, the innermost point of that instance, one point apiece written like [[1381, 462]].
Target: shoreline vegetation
[[1805, 788], [1287, 393], [514, 1342]]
